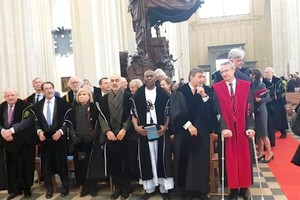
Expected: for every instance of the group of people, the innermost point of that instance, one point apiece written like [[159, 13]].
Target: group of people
[[153, 130]]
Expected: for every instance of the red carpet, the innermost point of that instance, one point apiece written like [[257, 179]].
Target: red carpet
[[286, 173]]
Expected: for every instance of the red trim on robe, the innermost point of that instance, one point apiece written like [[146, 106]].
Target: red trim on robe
[[237, 158]]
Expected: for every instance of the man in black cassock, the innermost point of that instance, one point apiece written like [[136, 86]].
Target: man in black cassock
[[192, 127]]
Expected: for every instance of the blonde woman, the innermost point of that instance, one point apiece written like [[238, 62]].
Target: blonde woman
[[86, 142]]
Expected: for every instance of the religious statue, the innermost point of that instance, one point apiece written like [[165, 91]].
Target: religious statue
[[153, 13]]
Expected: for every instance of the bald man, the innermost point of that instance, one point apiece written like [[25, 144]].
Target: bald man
[[115, 121], [74, 84], [276, 108]]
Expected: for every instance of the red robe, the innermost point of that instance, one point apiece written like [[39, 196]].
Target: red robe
[[237, 158]]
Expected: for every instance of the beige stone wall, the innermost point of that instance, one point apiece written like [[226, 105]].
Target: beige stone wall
[[254, 30]]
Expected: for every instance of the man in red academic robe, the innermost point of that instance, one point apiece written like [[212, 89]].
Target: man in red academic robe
[[234, 102]]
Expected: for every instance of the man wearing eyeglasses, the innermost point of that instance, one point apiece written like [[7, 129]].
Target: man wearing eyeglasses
[[235, 107], [150, 106]]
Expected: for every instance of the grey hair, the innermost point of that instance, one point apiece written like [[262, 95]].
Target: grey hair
[[227, 62], [194, 71], [159, 72], [137, 82], [236, 53]]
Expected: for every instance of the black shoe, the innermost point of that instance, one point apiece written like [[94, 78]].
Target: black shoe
[[83, 192], [147, 196], [12, 195], [124, 194], [64, 193], [232, 197], [93, 193], [261, 157], [246, 196], [204, 197], [27, 194], [189, 195], [283, 136], [116, 194], [49, 195], [165, 196]]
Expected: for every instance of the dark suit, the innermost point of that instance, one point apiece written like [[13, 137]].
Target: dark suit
[[53, 153], [97, 91], [32, 98], [276, 108], [19, 152], [70, 97]]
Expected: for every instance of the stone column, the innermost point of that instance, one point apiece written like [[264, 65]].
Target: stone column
[[26, 49], [279, 36], [293, 35], [100, 30]]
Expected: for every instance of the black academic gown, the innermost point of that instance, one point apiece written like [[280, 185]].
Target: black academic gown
[[17, 156], [121, 155], [276, 108], [53, 153], [164, 164], [192, 153], [88, 147]]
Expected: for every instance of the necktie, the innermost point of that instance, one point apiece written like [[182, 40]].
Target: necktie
[[37, 98], [48, 113], [10, 115], [231, 89]]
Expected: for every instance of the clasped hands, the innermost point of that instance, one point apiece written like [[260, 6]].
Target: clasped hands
[[7, 135], [55, 136], [228, 133], [112, 137]]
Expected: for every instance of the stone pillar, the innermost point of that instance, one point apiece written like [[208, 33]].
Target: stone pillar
[[26, 44], [100, 30], [279, 36], [293, 35]]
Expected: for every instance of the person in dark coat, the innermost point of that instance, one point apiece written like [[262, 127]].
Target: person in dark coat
[[276, 108], [17, 146], [291, 84], [260, 98], [237, 126], [236, 56], [51, 113], [150, 109], [104, 87], [86, 142], [38, 94], [192, 135], [115, 120], [74, 84]]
